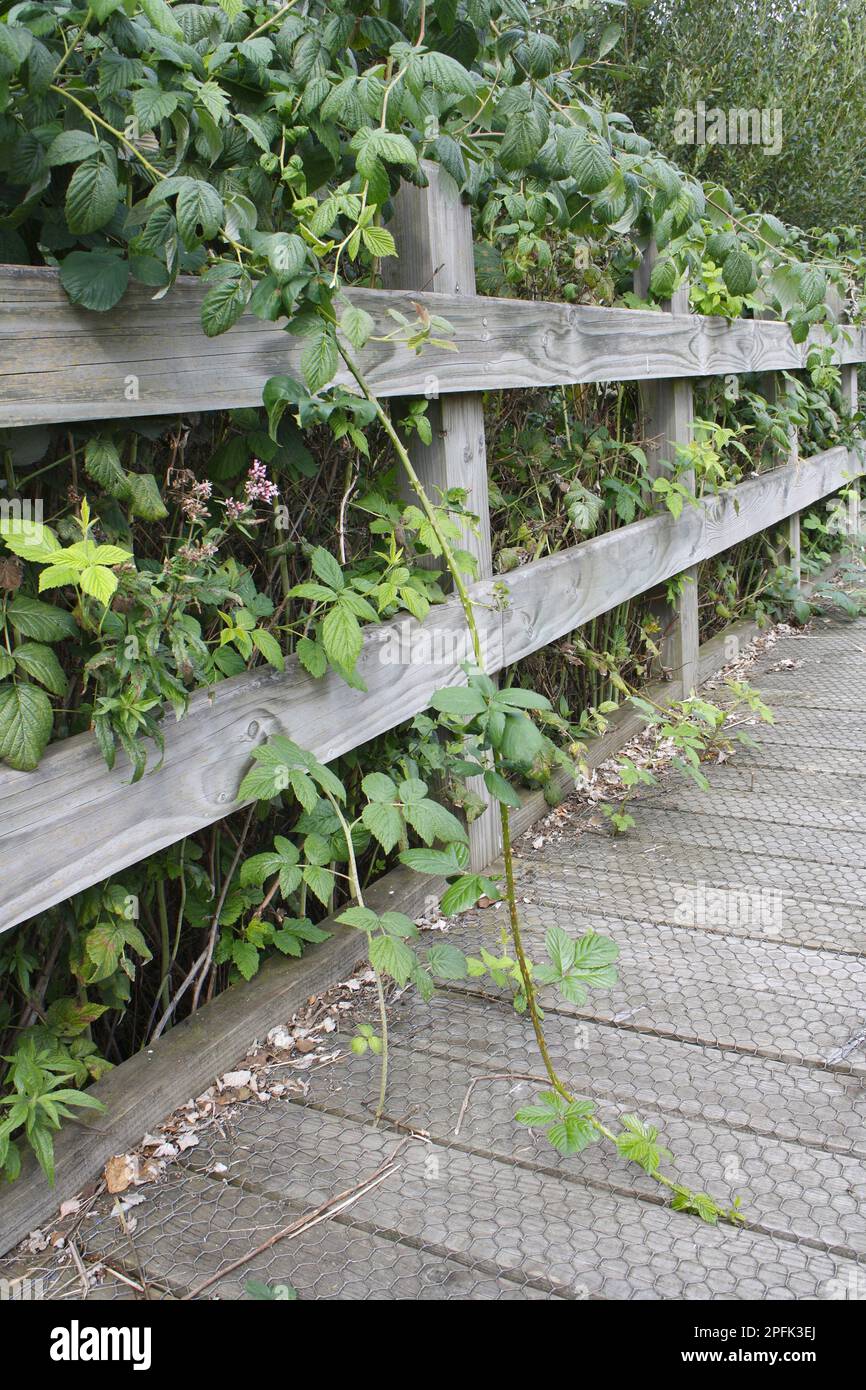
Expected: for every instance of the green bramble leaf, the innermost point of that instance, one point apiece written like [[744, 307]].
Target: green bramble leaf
[[94, 279], [41, 621], [269, 647], [224, 303], [391, 956], [341, 636], [26, 722], [91, 196], [637, 1142], [40, 662]]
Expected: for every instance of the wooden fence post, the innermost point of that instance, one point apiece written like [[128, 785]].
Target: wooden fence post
[[793, 525], [433, 232], [849, 396], [667, 411], [773, 390]]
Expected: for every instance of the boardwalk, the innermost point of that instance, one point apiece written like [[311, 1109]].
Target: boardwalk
[[743, 1038]]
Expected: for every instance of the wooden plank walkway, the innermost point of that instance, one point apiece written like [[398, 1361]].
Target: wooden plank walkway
[[738, 1026]]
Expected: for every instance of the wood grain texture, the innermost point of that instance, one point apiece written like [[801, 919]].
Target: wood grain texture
[[72, 822], [60, 363], [667, 411]]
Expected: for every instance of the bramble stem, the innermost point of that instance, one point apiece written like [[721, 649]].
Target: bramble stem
[[357, 893], [507, 850]]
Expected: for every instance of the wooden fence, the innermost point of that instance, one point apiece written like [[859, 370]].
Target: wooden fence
[[72, 822]]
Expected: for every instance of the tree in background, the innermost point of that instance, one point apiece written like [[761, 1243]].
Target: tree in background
[[804, 58]]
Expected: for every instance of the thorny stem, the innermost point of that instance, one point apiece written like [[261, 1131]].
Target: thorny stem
[[273, 19], [507, 851], [355, 882]]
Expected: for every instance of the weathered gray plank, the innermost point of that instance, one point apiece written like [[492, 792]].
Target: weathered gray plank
[[72, 822], [58, 362]]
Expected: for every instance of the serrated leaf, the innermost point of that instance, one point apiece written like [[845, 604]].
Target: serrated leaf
[[638, 1142], [360, 917], [447, 962], [97, 581], [379, 787], [41, 621], [40, 662], [152, 105], [384, 822], [573, 1133], [430, 861], [287, 256], [391, 956], [91, 197], [738, 272], [461, 700], [319, 361], [199, 212], [94, 279], [462, 894], [813, 287], [342, 638], [560, 948], [327, 567], [587, 161], [102, 464], [224, 303], [379, 241], [357, 325], [312, 657], [26, 722], [145, 500], [663, 278], [524, 136], [72, 146], [246, 957], [445, 73], [104, 946], [162, 19], [320, 880], [269, 647]]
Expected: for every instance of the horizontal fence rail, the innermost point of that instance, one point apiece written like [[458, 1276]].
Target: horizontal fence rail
[[61, 363], [72, 822]]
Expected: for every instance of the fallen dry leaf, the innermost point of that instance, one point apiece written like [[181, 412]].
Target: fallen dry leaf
[[120, 1172], [128, 1170], [235, 1079]]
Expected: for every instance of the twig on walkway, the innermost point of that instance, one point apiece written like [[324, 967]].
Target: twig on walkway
[[494, 1076], [304, 1223], [79, 1265]]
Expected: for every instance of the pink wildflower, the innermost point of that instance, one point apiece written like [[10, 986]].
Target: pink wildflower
[[258, 486]]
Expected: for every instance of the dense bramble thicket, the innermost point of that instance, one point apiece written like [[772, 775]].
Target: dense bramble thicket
[[260, 146]]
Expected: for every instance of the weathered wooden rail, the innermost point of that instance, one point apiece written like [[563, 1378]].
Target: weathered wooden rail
[[62, 363], [72, 822]]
